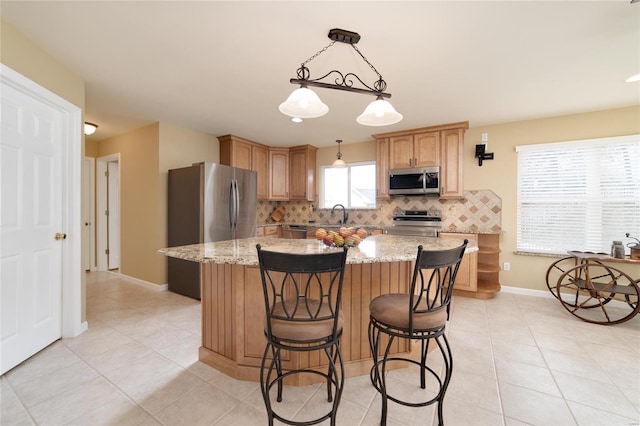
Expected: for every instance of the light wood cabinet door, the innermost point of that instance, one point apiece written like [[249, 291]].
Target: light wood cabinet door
[[302, 173], [401, 152], [245, 154], [382, 169], [451, 149], [279, 174], [426, 149], [467, 278], [240, 154], [260, 163], [272, 231]]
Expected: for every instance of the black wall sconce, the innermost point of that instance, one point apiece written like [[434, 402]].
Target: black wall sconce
[[482, 155]]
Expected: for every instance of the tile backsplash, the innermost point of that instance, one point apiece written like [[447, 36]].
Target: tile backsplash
[[478, 210]]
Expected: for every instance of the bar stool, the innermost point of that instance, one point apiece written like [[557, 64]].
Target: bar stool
[[419, 315], [302, 295]]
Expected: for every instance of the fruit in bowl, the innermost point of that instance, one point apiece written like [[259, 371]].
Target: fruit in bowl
[[362, 233], [345, 232], [346, 236], [321, 233]]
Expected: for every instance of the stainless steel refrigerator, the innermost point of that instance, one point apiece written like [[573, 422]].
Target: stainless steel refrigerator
[[207, 202]]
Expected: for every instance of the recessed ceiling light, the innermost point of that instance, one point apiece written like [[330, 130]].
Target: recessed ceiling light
[[296, 119], [633, 78]]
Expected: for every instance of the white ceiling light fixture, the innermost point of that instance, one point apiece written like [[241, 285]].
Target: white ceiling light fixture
[[90, 128], [305, 103], [339, 162]]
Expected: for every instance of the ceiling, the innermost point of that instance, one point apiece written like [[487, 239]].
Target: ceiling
[[224, 67]]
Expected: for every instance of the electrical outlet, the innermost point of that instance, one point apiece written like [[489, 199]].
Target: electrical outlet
[[485, 137], [507, 266]]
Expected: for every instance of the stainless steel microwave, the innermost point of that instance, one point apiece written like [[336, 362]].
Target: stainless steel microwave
[[415, 181]]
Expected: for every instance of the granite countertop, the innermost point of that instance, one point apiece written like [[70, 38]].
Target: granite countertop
[[373, 249], [314, 225], [472, 230]]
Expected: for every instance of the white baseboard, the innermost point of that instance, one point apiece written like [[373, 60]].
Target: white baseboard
[[84, 327], [527, 291], [138, 281]]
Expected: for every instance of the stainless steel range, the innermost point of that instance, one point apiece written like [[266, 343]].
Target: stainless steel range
[[424, 223]]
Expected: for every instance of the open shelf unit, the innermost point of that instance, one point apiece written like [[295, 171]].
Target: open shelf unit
[[488, 265]]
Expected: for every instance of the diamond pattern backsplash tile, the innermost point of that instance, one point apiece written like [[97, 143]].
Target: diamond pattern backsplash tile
[[478, 210]]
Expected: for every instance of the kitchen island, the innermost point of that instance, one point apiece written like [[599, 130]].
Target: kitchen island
[[233, 307]]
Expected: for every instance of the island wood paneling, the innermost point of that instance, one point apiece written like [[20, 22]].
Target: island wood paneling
[[233, 318]]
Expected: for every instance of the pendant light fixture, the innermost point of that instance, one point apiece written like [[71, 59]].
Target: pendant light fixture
[[90, 128], [305, 103], [339, 162]]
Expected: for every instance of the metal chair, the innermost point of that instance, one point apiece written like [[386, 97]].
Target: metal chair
[[419, 315], [302, 295]]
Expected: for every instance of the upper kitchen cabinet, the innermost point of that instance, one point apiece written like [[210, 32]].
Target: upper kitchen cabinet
[[302, 173], [451, 151], [382, 169], [279, 174], [414, 150], [427, 146], [245, 154]]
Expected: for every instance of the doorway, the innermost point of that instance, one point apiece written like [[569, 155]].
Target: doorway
[[108, 212], [40, 254]]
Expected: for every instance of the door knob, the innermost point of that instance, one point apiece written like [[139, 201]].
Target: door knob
[[60, 236]]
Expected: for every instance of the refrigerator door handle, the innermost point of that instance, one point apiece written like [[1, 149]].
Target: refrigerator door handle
[[237, 206], [232, 205]]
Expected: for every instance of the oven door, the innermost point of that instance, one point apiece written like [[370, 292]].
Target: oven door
[[418, 231]]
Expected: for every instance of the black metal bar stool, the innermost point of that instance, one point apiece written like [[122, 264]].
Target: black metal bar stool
[[419, 315], [302, 295]]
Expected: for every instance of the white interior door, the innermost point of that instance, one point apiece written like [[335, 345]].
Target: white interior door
[[113, 218], [31, 216], [88, 214]]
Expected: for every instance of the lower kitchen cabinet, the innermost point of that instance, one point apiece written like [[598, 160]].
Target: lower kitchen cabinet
[[271, 231], [467, 278], [479, 273]]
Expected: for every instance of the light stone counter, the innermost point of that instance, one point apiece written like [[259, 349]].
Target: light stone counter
[[373, 249]]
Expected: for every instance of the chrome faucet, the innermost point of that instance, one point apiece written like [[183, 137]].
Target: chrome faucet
[[345, 214]]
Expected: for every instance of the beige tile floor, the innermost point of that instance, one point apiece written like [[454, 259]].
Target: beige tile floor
[[517, 360]]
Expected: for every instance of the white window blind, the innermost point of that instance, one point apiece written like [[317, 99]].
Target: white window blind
[[578, 195]]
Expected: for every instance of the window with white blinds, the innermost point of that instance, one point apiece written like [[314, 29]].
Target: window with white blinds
[[578, 195]]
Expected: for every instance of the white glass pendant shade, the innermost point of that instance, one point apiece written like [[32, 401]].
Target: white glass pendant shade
[[379, 113], [339, 163], [303, 103]]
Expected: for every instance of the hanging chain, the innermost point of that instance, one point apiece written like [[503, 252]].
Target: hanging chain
[[320, 52], [366, 60], [303, 73]]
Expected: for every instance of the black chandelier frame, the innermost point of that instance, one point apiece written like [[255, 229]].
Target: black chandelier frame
[[341, 81]]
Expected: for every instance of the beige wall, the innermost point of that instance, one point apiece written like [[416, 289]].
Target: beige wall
[[351, 153], [146, 155], [140, 225], [500, 174], [91, 149], [20, 54]]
